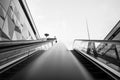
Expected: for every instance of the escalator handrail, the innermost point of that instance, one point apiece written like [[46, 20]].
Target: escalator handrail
[[102, 41], [108, 69], [19, 43]]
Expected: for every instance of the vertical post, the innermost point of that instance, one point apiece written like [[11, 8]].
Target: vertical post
[[94, 50], [88, 48], [117, 55]]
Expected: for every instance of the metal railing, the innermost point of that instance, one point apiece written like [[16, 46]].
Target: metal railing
[[104, 52], [13, 51]]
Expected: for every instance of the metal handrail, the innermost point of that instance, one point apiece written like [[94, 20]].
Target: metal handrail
[[117, 42], [93, 52], [11, 52], [18, 43], [102, 41]]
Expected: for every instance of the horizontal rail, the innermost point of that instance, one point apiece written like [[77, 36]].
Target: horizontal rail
[[102, 41], [13, 51], [4, 44], [9, 45], [105, 52], [101, 65]]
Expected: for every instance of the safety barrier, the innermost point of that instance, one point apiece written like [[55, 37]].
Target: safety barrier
[[14, 51], [104, 53]]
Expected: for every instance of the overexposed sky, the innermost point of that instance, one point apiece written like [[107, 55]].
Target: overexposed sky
[[66, 19]]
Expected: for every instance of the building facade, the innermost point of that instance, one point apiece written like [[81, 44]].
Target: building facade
[[114, 34], [111, 49], [16, 22]]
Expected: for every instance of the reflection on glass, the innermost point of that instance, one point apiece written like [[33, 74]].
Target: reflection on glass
[[106, 52]]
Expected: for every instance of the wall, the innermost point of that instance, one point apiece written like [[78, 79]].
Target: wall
[[14, 24]]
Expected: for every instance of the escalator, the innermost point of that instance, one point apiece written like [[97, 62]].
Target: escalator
[[100, 57], [15, 55], [59, 63], [95, 71], [8, 74]]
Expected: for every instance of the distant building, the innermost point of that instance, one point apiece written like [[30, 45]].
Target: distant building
[[106, 48], [16, 22], [114, 34]]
